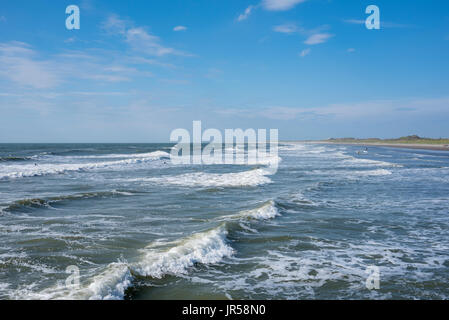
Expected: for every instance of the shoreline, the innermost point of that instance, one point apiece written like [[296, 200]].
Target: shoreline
[[435, 147]]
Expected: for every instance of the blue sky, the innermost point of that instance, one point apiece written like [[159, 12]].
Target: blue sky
[[136, 70]]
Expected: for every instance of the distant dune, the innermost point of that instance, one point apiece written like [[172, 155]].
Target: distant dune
[[413, 142]]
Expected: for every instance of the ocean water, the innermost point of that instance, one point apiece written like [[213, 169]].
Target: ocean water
[[139, 227]]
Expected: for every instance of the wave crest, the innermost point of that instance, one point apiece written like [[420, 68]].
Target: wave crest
[[206, 248], [249, 178], [45, 202], [32, 170], [265, 211]]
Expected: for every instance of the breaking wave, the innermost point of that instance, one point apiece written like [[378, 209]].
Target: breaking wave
[[32, 170], [174, 258], [249, 178], [158, 260], [45, 202], [12, 158], [358, 162], [352, 174], [160, 154], [206, 248], [265, 211]]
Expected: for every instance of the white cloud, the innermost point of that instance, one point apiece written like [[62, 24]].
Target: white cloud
[[141, 40], [22, 66], [350, 50], [305, 52], [70, 40], [246, 14], [354, 21], [383, 24], [314, 36], [350, 111], [270, 5], [141, 60], [15, 48], [19, 64], [138, 38], [106, 77], [318, 38], [286, 28], [78, 55], [280, 5], [114, 25], [118, 68], [180, 28]]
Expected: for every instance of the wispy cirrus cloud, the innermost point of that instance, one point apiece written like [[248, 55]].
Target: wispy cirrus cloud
[[19, 63], [314, 36], [269, 5], [151, 62], [180, 28], [286, 28], [354, 21], [114, 25], [318, 38], [350, 111], [245, 14], [280, 5], [22, 66], [138, 38], [305, 52], [383, 24]]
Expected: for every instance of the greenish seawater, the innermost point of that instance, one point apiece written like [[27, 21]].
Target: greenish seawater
[[139, 227]]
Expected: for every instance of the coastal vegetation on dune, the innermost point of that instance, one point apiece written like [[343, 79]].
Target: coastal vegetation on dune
[[413, 139]]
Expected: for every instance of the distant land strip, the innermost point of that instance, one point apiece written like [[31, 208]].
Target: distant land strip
[[411, 142]]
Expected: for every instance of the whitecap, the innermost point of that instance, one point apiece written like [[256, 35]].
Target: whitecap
[[31, 170], [250, 178]]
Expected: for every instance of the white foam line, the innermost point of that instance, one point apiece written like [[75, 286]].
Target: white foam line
[[30, 170], [206, 248], [353, 174], [369, 162], [264, 212], [124, 155], [201, 179], [157, 260]]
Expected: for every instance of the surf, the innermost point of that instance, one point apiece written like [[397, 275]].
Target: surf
[[250, 178], [42, 169]]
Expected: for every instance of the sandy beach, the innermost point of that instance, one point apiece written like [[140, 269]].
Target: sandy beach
[[439, 147]]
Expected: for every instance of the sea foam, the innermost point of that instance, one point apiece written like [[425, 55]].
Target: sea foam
[[206, 248], [31, 170], [161, 259], [249, 178], [265, 211]]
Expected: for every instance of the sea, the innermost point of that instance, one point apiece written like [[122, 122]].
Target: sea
[[121, 221]]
